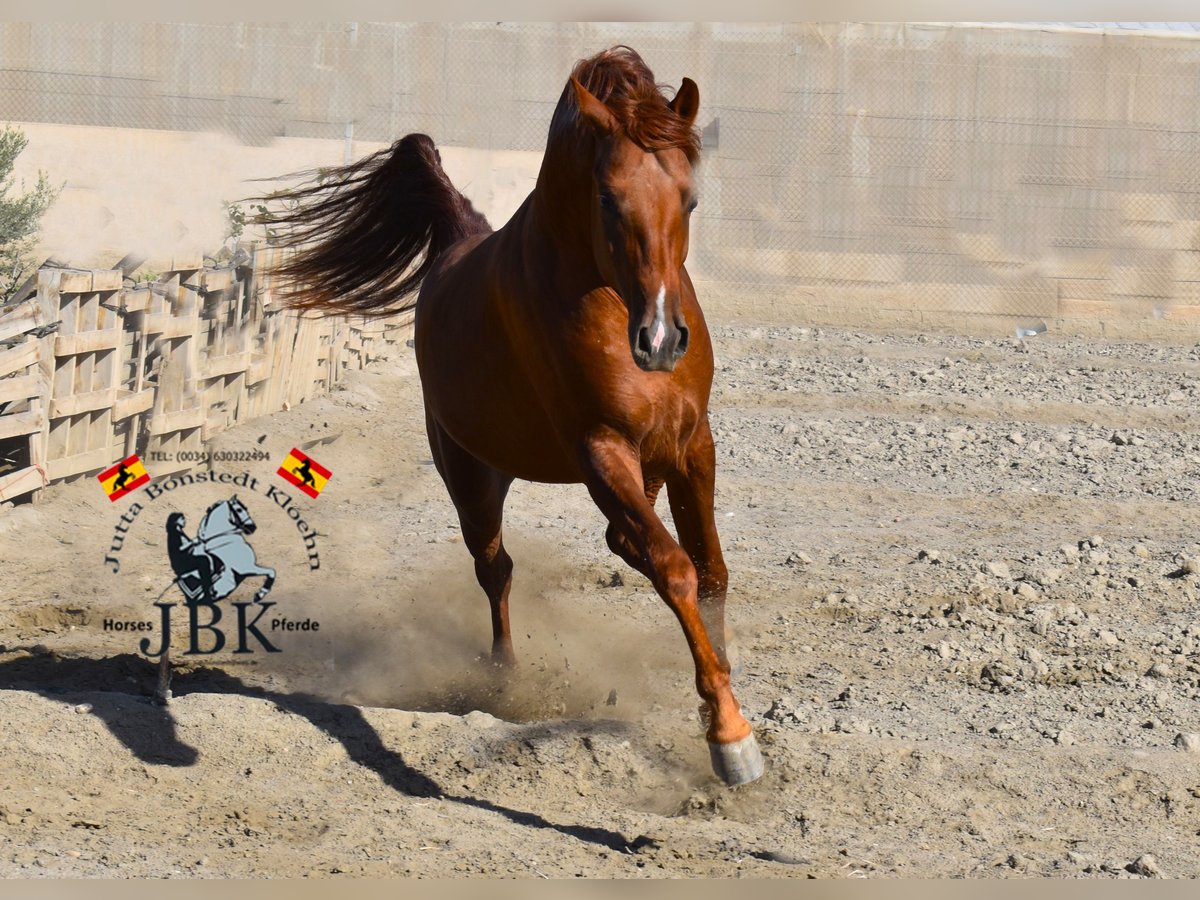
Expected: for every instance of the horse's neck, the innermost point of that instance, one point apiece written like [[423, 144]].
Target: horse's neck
[[558, 211], [211, 523]]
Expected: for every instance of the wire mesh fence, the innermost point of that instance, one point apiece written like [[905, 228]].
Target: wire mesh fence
[[1027, 172]]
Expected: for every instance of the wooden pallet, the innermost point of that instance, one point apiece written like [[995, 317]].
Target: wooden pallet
[[23, 389], [84, 381], [94, 368], [176, 417]]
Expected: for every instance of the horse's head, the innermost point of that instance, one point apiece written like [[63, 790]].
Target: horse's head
[[642, 199], [239, 516]]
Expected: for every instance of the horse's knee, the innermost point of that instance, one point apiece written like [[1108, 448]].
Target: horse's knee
[[676, 577]]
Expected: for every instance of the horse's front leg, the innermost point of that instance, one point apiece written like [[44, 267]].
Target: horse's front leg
[[614, 479], [690, 492]]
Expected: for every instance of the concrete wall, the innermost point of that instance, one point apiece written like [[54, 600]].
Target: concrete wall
[[960, 170], [159, 193]]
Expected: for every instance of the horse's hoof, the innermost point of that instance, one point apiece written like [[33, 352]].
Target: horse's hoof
[[738, 763], [163, 699], [504, 657]]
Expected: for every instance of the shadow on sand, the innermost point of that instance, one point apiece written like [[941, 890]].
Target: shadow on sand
[[119, 690]]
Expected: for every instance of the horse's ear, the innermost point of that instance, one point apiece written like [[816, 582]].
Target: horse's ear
[[592, 109], [687, 101]]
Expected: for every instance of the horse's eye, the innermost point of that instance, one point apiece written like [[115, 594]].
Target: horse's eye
[[608, 203]]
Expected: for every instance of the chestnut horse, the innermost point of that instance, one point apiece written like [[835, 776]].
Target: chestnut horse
[[567, 347]]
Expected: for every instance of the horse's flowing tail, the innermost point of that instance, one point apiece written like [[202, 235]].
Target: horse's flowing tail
[[359, 229]]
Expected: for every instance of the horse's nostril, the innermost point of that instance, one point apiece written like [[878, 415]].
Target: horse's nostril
[[643, 340], [681, 347]]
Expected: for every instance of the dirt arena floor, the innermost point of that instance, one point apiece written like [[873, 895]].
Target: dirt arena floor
[[964, 585]]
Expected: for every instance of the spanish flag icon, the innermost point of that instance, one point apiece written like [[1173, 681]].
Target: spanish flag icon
[[123, 478], [304, 472]]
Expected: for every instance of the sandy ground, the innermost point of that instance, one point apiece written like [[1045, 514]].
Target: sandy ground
[[963, 588]]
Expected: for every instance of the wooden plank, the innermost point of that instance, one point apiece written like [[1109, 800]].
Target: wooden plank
[[19, 357], [78, 439], [86, 342], [21, 482], [13, 324], [21, 423], [216, 366], [20, 310], [107, 279], [169, 326], [89, 461], [81, 439], [49, 443], [23, 387], [129, 403], [304, 362], [167, 422], [77, 404], [186, 262], [282, 347], [100, 432], [136, 300], [75, 281], [60, 443], [104, 372], [213, 280], [126, 406]]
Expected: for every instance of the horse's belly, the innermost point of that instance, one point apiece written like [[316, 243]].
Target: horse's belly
[[518, 442], [484, 405]]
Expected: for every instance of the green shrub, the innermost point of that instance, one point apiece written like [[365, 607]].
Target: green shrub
[[20, 213]]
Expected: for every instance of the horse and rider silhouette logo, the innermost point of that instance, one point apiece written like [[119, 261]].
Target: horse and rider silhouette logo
[[209, 567]]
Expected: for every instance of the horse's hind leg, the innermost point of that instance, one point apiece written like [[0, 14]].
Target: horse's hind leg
[[478, 492], [690, 492], [268, 575]]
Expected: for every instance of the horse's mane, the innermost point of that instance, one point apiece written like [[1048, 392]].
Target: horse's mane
[[621, 80], [207, 513]]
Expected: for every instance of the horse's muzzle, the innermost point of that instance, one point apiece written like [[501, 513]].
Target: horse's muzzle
[[659, 345]]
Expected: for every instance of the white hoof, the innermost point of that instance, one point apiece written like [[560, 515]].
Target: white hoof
[[738, 763]]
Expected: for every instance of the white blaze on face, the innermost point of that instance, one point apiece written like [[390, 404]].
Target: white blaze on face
[[660, 331]]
